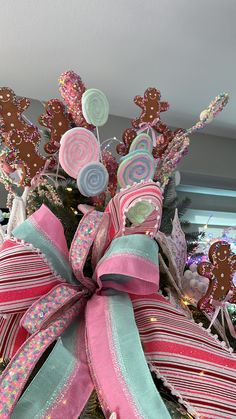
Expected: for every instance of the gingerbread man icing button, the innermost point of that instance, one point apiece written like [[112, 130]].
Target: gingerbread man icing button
[[151, 107], [220, 271]]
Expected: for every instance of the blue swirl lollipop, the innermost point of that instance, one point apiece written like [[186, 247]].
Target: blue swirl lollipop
[[92, 179]]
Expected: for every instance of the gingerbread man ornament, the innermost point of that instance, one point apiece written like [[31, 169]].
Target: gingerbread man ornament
[[151, 107], [24, 155], [57, 121], [11, 110], [220, 271]]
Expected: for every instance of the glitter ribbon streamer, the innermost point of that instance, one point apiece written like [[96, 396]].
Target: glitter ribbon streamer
[[178, 147]]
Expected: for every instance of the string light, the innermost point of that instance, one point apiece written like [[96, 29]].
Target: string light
[[74, 210], [69, 189], [153, 319]]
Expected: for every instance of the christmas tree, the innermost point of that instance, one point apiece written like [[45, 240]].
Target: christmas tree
[[84, 332]]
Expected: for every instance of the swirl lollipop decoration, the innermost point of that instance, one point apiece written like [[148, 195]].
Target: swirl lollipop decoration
[[139, 212], [142, 142], [79, 157], [137, 166], [92, 179], [78, 147], [95, 107]]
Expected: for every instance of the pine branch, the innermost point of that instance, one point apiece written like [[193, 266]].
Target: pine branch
[[92, 410], [183, 206]]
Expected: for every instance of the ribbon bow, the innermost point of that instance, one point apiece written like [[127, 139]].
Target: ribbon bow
[[145, 126], [99, 344]]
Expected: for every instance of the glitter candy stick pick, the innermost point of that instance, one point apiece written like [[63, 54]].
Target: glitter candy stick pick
[[178, 147]]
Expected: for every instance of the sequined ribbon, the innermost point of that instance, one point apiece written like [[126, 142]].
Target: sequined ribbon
[[82, 242], [63, 384], [15, 376]]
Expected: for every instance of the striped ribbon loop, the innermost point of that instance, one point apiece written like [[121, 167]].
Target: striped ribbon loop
[[196, 367]]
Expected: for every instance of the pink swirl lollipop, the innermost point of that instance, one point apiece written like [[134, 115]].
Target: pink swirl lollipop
[[78, 147]]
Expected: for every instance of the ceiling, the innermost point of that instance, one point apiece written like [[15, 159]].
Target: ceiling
[[186, 48]]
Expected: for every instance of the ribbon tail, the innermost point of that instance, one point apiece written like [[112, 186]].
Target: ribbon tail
[[154, 141], [63, 384], [123, 381], [215, 315], [15, 376], [224, 314]]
